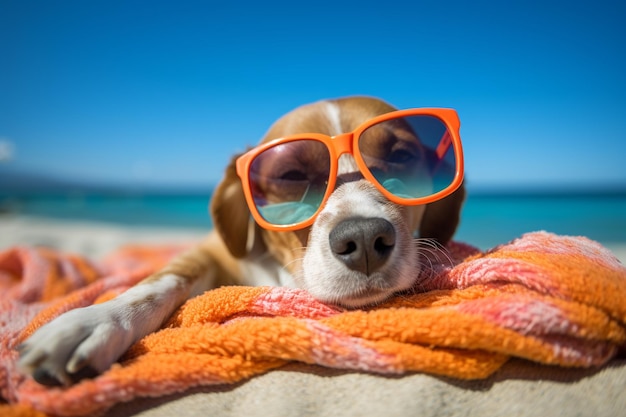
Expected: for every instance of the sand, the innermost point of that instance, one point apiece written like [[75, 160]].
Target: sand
[[92, 239]]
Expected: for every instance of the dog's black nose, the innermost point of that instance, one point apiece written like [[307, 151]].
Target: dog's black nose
[[363, 244]]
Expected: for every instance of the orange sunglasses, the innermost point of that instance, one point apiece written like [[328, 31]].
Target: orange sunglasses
[[411, 156]]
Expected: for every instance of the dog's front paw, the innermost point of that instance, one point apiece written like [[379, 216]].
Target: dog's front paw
[[80, 343]]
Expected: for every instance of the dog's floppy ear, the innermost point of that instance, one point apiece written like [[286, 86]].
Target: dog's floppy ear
[[441, 218], [230, 212]]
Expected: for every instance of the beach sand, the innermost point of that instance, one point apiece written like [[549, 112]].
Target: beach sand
[[92, 239], [97, 239]]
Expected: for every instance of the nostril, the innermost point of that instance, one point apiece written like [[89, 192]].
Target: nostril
[[384, 244], [345, 248]]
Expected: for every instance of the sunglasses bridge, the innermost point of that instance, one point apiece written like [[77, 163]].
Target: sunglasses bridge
[[344, 144]]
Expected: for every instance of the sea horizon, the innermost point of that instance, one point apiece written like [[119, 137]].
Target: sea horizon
[[491, 215]]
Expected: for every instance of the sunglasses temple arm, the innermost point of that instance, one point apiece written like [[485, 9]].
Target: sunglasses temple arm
[[444, 145], [442, 148]]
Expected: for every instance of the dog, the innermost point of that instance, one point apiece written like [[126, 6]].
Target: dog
[[359, 249]]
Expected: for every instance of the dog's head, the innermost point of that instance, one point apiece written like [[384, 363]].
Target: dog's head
[[361, 247]]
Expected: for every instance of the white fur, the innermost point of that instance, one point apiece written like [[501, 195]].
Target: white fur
[[328, 279], [265, 270], [346, 165], [333, 112]]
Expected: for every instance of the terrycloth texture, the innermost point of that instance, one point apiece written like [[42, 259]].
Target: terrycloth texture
[[550, 299]]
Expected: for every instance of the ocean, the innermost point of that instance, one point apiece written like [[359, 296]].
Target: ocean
[[488, 219]]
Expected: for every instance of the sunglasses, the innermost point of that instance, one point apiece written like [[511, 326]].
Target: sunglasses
[[411, 156]]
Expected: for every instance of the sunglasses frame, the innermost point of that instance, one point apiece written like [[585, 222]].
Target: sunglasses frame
[[348, 143]]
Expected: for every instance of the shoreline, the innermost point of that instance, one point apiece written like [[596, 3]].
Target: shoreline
[[92, 239], [97, 239]]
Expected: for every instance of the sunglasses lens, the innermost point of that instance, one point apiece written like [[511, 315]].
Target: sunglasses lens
[[289, 181], [411, 156]]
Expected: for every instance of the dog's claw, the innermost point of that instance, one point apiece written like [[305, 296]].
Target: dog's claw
[[86, 372], [77, 363], [46, 378]]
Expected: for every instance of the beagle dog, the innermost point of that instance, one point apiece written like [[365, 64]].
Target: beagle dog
[[357, 249]]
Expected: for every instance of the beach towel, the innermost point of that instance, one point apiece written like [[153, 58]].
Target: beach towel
[[554, 300]]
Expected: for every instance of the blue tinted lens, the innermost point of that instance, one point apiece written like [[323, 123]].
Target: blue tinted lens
[[411, 157], [287, 213], [289, 181]]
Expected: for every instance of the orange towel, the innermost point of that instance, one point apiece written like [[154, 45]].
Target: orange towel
[[551, 299]]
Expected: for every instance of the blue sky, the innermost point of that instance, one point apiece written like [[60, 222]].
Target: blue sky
[[165, 92]]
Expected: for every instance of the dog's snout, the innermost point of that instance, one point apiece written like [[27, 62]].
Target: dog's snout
[[363, 244]]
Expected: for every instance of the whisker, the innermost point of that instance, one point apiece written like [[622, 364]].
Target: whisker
[[284, 267], [299, 271], [433, 257], [437, 250]]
